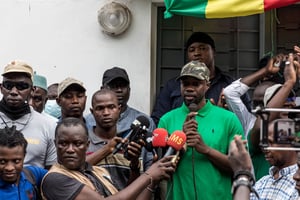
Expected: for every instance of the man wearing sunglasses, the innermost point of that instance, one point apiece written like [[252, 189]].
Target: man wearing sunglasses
[[15, 110]]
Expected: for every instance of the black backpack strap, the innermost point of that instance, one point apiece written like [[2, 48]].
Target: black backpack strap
[[31, 178]]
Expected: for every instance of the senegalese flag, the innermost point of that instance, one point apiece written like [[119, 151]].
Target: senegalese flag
[[221, 8]]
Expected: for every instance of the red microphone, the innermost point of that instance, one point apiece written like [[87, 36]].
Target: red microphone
[[175, 142], [159, 137]]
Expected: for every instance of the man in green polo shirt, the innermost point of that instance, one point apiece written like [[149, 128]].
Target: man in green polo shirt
[[203, 171]]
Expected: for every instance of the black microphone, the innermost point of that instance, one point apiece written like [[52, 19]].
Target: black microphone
[[193, 107], [141, 122]]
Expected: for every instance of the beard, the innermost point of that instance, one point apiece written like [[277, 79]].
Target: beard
[[195, 100]]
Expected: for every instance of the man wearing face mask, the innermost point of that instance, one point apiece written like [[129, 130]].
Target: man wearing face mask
[[38, 97], [51, 107]]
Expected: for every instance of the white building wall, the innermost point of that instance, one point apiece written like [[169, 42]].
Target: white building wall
[[62, 38]]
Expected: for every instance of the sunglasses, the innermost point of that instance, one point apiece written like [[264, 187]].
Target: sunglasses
[[19, 85]]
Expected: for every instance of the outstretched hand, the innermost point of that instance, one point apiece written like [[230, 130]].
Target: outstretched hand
[[162, 169], [239, 157], [289, 70]]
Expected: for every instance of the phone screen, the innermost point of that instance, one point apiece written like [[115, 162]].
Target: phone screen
[[283, 130]]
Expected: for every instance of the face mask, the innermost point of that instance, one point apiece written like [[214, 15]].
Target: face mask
[[52, 108]]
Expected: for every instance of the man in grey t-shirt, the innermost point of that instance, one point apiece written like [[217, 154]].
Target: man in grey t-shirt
[[15, 110]]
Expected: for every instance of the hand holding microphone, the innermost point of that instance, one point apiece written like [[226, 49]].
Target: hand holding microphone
[[176, 143], [190, 122], [138, 126], [159, 142], [190, 128]]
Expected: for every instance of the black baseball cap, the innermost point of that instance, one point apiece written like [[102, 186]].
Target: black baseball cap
[[200, 37], [114, 73]]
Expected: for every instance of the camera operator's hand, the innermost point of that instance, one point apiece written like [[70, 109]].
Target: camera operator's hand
[[274, 63], [239, 157], [297, 64], [289, 70]]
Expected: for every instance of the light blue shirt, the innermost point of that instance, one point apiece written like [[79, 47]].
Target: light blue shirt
[[282, 188]]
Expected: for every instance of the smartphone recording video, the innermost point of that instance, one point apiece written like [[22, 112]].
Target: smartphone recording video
[[284, 130]]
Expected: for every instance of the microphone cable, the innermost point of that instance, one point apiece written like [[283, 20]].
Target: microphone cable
[[193, 172], [193, 108]]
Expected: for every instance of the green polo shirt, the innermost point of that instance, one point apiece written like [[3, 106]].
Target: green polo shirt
[[217, 128]]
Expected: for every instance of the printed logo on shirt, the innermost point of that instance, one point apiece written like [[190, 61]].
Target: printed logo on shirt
[[33, 141]]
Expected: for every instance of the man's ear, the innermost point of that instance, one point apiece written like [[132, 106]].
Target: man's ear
[[58, 101], [31, 93]]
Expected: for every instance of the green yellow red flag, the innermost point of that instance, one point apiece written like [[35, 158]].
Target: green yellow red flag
[[221, 8]]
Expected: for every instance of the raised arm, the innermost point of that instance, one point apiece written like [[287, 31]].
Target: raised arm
[[279, 98]]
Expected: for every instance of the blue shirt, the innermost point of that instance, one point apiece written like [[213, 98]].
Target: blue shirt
[[282, 188], [25, 190]]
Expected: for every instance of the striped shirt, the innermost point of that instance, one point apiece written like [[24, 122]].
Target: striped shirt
[[282, 188]]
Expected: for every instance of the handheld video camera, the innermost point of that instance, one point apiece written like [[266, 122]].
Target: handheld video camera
[[286, 131]]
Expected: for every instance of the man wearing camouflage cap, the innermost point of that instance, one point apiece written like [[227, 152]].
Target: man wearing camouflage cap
[[199, 47], [203, 171], [16, 88]]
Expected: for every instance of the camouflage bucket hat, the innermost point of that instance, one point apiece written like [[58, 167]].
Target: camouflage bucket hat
[[195, 69]]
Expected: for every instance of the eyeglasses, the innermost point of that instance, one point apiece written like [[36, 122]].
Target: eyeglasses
[[19, 85]]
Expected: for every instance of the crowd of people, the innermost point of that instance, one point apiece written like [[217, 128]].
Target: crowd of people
[[49, 149]]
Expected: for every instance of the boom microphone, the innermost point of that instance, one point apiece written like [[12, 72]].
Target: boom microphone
[[141, 122], [175, 142]]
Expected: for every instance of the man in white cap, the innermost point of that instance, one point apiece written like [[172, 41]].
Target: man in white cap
[[16, 88], [262, 96]]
